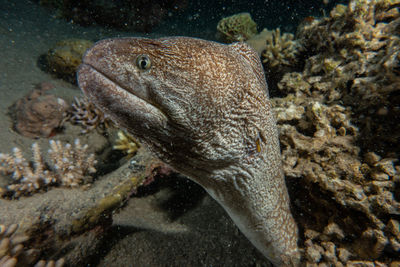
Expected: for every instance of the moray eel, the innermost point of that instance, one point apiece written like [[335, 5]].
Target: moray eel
[[203, 108]]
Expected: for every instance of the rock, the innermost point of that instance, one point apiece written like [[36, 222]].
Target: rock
[[64, 58], [38, 114]]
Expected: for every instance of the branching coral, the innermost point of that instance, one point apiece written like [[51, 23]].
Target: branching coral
[[280, 55], [14, 253], [238, 27], [86, 114], [281, 50], [127, 144], [69, 166]]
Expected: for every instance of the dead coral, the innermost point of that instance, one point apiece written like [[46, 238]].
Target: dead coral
[[319, 148], [86, 114], [68, 166], [340, 108], [353, 57], [38, 114], [14, 253], [239, 27]]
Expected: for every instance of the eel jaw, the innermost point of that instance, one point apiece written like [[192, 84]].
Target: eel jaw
[[123, 106]]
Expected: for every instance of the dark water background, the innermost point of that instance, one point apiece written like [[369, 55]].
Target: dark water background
[[194, 18], [267, 14]]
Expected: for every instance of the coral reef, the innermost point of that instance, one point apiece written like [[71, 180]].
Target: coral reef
[[127, 144], [68, 166], [339, 133], [354, 54], [319, 152], [86, 114], [14, 253], [64, 58], [238, 27], [38, 114]]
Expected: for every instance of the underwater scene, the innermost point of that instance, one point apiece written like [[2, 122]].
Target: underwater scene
[[200, 133]]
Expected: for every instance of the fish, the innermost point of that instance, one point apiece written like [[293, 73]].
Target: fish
[[201, 106]]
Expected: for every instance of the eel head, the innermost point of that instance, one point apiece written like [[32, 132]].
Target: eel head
[[192, 101]]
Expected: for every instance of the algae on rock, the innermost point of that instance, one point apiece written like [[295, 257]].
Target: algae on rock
[[238, 27]]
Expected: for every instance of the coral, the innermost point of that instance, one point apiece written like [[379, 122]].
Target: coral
[[320, 153], [64, 58], [127, 144], [71, 164], [280, 50], [353, 57], [86, 114], [280, 55], [339, 134], [11, 246], [68, 166], [14, 253], [38, 114], [238, 27]]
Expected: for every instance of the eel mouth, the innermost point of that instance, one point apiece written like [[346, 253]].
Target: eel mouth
[[94, 82], [88, 70], [122, 104]]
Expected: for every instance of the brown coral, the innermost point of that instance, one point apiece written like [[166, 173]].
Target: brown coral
[[354, 55], [280, 50], [69, 166], [320, 153], [38, 114], [14, 253], [280, 55], [238, 27], [127, 144], [86, 114], [64, 58]]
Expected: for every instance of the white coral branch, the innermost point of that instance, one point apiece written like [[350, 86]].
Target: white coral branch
[[69, 166]]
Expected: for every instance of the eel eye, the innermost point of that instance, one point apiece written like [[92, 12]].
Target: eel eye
[[143, 62]]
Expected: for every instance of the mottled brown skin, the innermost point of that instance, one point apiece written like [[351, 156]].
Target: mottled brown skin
[[203, 108]]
